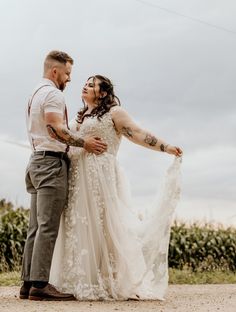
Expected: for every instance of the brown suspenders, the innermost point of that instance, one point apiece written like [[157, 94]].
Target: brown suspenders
[[66, 115], [29, 109]]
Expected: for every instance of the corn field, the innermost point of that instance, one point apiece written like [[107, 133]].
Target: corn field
[[202, 248], [13, 231], [196, 247]]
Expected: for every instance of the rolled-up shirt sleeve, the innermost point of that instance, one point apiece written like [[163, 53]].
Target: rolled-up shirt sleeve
[[54, 102]]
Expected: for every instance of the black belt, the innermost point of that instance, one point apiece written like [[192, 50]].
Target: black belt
[[61, 155]]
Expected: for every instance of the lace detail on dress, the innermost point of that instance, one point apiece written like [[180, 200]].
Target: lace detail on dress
[[99, 253]]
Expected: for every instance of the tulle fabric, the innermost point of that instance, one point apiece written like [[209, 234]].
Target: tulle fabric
[[103, 250]]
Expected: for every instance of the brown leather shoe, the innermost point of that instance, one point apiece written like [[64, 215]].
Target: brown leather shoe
[[24, 290], [49, 292]]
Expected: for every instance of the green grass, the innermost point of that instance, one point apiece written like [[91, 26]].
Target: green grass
[[212, 277], [176, 277], [10, 279]]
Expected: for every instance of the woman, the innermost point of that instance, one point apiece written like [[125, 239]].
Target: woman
[[103, 250]]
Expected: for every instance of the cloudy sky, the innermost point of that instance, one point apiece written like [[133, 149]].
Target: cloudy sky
[[173, 66]]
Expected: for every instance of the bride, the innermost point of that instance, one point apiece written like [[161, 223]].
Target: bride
[[103, 251]]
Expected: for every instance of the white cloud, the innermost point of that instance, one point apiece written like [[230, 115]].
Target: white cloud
[[14, 159]]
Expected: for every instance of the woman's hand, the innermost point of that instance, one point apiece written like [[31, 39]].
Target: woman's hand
[[174, 150]]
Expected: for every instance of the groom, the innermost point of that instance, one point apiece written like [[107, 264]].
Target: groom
[[46, 174]]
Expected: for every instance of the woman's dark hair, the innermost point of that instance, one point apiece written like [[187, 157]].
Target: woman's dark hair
[[104, 104]]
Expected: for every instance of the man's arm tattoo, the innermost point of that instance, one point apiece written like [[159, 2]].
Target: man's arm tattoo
[[127, 132], [162, 147], [69, 141], [150, 140]]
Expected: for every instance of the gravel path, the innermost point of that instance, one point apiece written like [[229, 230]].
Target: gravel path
[[180, 298]]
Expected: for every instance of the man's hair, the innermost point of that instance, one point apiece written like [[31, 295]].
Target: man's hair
[[57, 56]]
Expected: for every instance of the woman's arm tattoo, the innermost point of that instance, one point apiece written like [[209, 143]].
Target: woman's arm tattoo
[[127, 132], [70, 139], [150, 140]]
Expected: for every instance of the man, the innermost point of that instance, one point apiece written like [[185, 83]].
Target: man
[[46, 174]]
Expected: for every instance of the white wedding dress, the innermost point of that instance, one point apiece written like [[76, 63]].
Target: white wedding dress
[[103, 250]]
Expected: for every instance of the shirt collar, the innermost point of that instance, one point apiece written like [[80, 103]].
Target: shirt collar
[[48, 81]]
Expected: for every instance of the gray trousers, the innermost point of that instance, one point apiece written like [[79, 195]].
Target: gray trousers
[[46, 181]]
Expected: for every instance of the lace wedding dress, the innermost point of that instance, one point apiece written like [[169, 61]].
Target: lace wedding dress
[[103, 250]]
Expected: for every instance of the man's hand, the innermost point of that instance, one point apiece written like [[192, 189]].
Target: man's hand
[[174, 150], [94, 145]]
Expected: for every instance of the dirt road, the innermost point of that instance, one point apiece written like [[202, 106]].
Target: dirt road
[[180, 298]]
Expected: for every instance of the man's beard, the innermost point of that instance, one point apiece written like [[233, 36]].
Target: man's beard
[[62, 86]]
